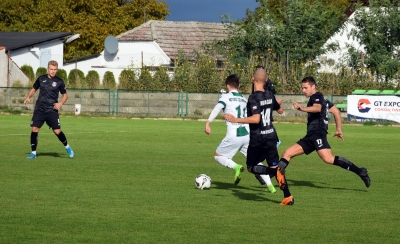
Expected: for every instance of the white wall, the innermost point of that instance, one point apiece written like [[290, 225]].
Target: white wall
[[10, 70], [129, 55], [25, 56]]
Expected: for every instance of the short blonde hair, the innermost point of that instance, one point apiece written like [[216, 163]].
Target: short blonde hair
[[52, 63]]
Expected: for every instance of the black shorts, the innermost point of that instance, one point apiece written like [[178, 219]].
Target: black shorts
[[311, 143], [49, 116], [256, 155]]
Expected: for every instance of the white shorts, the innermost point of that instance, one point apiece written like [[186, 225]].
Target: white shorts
[[230, 145]]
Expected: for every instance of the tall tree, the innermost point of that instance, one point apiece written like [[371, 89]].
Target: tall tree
[[378, 29], [93, 19]]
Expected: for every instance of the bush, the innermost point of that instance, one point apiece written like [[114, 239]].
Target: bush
[[161, 80], [93, 79], [40, 71], [63, 75], [76, 79], [28, 71], [109, 80], [127, 80], [145, 80]]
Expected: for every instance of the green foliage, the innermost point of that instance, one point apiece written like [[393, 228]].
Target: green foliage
[[28, 71], [41, 71], [161, 80], [378, 28], [93, 79], [76, 79], [145, 80], [109, 80], [63, 75], [93, 19], [127, 80]]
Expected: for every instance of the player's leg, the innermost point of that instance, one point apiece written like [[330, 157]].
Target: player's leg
[[53, 121], [225, 152], [36, 123], [327, 156]]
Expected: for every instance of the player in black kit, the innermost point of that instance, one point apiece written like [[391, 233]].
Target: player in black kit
[[47, 106], [263, 137], [318, 109]]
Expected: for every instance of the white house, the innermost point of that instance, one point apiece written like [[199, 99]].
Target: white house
[[29, 48], [153, 43]]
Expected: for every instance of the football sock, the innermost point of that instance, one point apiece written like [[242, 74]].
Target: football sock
[[62, 138], [34, 141], [266, 179], [224, 161], [346, 164], [263, 170], [283, 163], [286, 192]]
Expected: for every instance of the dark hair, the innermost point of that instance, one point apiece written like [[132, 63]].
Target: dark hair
[[310, 80], [232, 80]]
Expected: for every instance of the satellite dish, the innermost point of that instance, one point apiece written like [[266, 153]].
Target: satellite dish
[[73, 38], [111, 44]]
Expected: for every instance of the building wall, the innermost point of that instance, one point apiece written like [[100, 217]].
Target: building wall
[[14, 72], [130, 55], [38, 55]]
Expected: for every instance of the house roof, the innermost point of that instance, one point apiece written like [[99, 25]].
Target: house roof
[[16, 40], [173, 36]]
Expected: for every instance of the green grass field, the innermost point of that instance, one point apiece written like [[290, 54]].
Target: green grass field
[[132, 181]]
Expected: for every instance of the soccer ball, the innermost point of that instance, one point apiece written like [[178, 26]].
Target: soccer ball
[[203, 181]]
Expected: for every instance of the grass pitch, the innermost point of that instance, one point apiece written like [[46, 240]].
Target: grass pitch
[[132, 181]]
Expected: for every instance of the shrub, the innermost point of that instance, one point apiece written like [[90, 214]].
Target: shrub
[[161, 80], [40, 71], [127, 80], [76, 78], [93, 79], [145, 80], [109, 80], [63, 75], [28, 71]]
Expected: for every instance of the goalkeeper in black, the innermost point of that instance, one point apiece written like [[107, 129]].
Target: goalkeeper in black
[[47, 106]]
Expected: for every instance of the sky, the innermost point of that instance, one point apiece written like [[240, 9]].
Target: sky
[[208, 10]]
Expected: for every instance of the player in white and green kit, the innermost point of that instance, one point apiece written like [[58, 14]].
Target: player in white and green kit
[[237, 135]]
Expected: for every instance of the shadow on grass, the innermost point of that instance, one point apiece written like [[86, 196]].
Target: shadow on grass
[[49, 154], [238, 191], [312, 184]]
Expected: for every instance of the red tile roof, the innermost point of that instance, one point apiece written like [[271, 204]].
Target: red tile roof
[[173, 36]]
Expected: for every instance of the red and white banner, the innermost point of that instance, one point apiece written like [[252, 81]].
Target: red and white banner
[[377, 108]]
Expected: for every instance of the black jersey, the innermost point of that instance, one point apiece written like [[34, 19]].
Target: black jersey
[[317, 123], [262, 134], [49, 89]]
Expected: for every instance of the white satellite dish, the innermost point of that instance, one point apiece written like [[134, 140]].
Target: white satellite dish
[[111, 44], [73, 38]]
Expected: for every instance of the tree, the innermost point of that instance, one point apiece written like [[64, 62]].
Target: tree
[[93, 19], [93, 79], [378, 29]]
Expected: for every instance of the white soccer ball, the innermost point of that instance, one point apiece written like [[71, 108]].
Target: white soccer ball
[[203, 181]]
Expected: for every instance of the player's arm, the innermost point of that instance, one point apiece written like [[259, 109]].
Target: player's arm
[[315, 108], [254, 119], [338, 121], [30, 94], [58, 105], [278, 105], [213, 115]]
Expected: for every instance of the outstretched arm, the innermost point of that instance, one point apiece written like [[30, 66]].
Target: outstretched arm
[[28, 97], [213, 115], [338, 121]]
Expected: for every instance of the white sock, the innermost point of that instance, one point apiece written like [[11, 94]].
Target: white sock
[[224, 161], [67, 146], [266, 178], [34, 152]]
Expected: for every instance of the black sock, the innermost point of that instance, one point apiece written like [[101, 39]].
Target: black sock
[[346, 164], [263, 170], [286, 192], [282, 164], [34, 140], [62, 138]]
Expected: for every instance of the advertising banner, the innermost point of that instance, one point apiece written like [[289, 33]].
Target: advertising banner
[[376, 108]]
